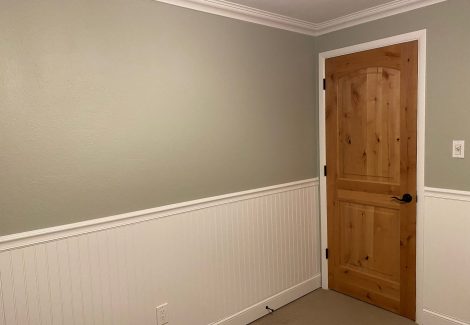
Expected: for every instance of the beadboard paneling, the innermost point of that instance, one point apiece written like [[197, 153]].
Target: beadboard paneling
[[210, 260], [446, 257]]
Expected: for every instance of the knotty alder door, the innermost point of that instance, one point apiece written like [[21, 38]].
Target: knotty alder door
[[371, 112]]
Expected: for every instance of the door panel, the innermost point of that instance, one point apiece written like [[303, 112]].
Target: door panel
[[368, 127], [371, 157], [367, 240]]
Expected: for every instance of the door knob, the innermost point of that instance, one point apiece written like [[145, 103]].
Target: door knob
[[406, 198]]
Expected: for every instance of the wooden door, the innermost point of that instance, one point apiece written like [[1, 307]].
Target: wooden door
[[371, 112]]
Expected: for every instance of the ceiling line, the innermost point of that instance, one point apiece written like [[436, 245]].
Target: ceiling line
[[261, 17]]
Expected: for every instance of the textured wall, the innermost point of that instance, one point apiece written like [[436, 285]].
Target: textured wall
[[111, 106], [115, 106], [448, 80]]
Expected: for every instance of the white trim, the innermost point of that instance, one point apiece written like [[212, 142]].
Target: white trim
[[446, 194], [420, 36], [430, 317], [34, 237], [283, 298], [261, 17], [371, 14], [245, 13], [118, 274]]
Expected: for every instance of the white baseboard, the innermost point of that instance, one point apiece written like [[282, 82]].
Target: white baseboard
[[432, 318], [277, 301]]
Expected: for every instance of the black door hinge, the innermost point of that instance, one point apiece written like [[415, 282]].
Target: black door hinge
[[324, 84], [324, 170], [326, 253]]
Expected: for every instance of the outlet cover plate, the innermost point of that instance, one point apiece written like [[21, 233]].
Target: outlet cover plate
[[458, 149], [162, 314]]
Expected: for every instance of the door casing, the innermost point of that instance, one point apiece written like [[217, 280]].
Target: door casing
[[419, 36]]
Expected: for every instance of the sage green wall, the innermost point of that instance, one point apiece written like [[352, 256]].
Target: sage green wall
[[114, 106], [448, 81], [111, 106]]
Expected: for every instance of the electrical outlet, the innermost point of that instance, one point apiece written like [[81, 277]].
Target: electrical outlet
[[458, 147], [162, 314]]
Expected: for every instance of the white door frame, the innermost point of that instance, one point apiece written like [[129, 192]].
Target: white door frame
[[420, 36]]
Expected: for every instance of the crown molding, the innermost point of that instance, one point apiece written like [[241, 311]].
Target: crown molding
[[245, 13], [261, 17], [373, 13]]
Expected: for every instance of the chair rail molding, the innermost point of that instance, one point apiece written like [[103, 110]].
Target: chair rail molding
[[446, 289], [217, 260]]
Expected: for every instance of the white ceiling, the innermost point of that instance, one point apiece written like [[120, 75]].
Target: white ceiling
[[314, 11]]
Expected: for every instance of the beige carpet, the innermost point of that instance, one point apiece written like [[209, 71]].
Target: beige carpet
[[323, 307]]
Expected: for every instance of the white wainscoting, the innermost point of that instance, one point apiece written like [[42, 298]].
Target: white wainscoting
[[219, 260], [446, 296]]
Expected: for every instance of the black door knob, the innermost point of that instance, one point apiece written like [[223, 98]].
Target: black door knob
[[406, 198]]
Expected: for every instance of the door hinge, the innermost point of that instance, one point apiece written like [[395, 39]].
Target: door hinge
[[326, 253], [324, 83], [324, 170], [416, 198]]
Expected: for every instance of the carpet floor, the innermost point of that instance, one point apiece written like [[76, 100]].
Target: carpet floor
[[326, 307]]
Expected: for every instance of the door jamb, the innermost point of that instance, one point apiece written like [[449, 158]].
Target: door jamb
[[419, 36]]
